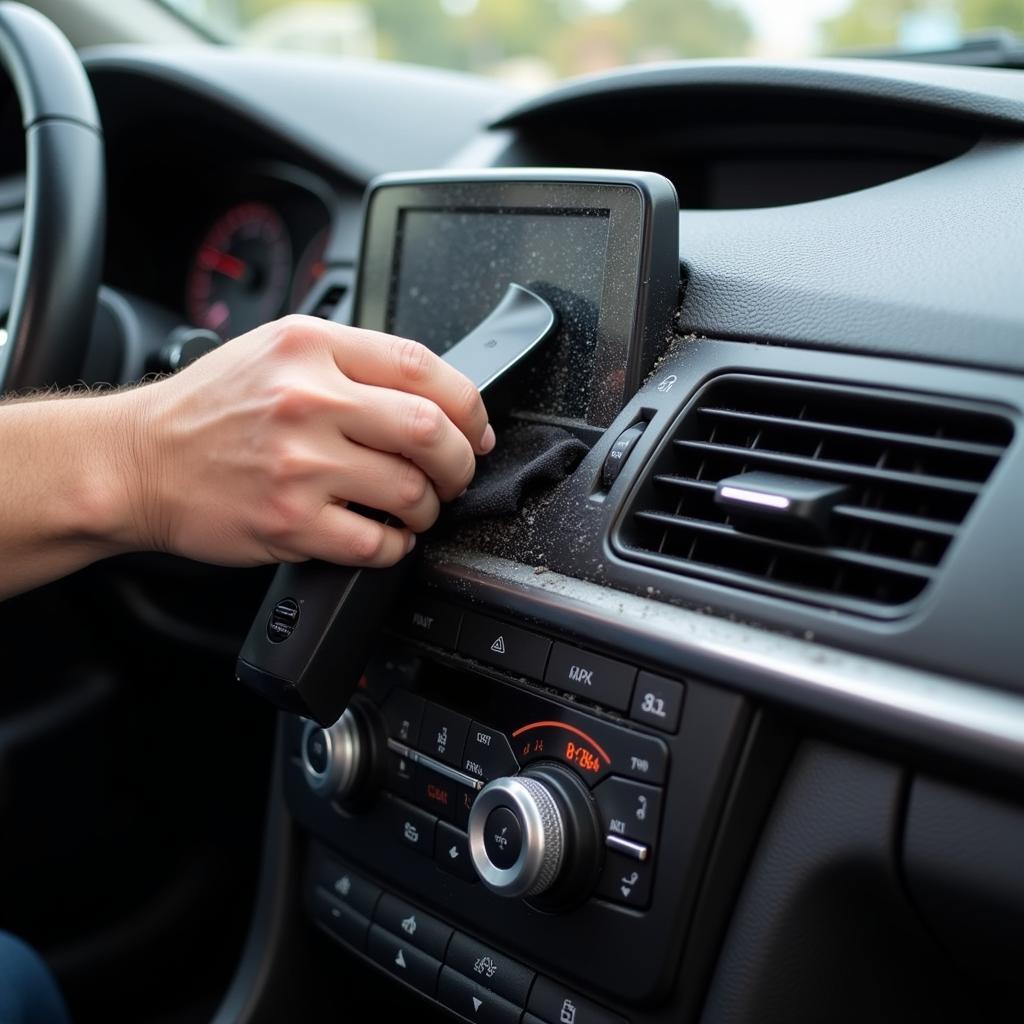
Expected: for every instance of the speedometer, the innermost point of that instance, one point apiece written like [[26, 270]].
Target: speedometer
[[239, 275]]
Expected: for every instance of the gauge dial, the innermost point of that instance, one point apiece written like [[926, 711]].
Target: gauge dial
[[240, 272], [310, 268]]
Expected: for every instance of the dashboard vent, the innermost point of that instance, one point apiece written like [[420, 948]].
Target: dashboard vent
[[907, 471]]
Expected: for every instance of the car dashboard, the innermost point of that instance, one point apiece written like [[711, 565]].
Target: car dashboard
[[784, 766]]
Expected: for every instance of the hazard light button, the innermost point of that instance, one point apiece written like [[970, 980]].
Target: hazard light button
[[497, 643]]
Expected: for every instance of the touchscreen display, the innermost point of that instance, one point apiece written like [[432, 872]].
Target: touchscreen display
[[453, 265]]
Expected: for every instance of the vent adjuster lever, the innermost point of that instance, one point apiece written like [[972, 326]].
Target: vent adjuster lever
[[767, 502]]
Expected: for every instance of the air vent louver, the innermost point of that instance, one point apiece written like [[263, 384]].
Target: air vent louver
[[913, 468]]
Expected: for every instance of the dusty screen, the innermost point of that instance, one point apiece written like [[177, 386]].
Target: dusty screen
[[452, 266]]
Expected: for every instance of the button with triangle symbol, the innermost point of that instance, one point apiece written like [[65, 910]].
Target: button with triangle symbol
[[505, 646], [474, 1002], [403, 960]]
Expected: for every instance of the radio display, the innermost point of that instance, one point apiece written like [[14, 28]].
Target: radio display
[[439, 253]]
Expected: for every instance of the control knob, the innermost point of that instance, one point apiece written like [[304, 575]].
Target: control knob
[[335, 760], [536, 836]]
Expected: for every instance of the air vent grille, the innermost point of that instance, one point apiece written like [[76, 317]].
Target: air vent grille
[[912, 467]]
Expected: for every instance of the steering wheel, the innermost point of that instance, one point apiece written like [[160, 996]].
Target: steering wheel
[[61, 255]]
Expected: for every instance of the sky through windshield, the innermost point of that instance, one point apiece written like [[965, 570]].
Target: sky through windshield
[[540, 40]]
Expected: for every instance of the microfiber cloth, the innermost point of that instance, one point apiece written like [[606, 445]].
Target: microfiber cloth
[[527, 460]]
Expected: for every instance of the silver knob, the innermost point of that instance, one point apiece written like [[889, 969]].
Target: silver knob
[[332, 758], [516, 836]]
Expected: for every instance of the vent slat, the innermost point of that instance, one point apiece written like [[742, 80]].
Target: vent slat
[[871, 515], [912, 467], [685, 482], [941, 444], [923, 572], [835, 469]]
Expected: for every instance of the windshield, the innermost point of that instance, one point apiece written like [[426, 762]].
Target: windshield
[[536, 41]]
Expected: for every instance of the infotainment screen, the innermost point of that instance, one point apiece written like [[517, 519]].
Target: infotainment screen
[[438, 255]]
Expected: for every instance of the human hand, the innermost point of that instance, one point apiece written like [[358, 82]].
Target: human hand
[[252, 454]]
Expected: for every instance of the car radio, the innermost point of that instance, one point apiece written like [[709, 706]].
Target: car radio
[[519, 790]]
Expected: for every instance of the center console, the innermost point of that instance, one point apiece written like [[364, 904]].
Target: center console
[[509, 817]]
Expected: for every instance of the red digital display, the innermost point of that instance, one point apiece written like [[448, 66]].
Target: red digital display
[[549, 739], [582, 758]]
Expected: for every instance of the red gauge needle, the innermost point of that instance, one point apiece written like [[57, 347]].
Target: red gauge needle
[[224, 263]]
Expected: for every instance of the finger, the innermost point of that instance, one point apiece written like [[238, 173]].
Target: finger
[[389, 483], [344, 537], [388, 362], [414, 427]]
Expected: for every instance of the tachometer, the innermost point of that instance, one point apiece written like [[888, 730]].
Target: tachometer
[[240, 273]]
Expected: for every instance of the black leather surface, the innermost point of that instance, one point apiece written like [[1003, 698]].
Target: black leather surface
[[54, 292], [28, 40]]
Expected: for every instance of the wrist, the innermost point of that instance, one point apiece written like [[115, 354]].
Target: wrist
[[111, 499]]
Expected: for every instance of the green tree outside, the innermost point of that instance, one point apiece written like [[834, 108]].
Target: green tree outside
[[867, 23], [567, 34]]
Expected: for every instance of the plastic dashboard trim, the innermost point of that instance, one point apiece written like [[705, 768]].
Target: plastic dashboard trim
[[982, 96], [951, 716]]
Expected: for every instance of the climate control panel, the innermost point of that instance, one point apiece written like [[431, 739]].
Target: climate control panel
[[545, 796]]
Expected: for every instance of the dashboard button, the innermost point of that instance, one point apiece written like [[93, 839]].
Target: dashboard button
[[644, 758], [629, 809], [490, 969], [341, 883], [473, 1001], [410, 924], [341, 921], [618, 453], [434, 792], [443, 734], [403, 960], [432, 622], [487, 755], [625, 880], [504, 646], [555, 1004], [657, 701], [451, 851], [599, 679], [463, 805], [403, 712], [415, 828], [399, 775]]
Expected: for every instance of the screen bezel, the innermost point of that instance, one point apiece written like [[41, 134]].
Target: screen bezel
[[621, 349]]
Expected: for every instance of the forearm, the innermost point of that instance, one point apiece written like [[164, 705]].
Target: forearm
[[65, 466], [252, 454]]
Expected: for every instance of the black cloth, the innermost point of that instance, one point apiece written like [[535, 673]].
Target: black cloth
[[527, 460]]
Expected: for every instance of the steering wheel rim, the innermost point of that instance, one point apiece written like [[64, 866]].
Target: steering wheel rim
[[61, 254]]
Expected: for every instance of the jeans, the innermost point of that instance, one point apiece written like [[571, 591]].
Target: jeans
[[28, 991]]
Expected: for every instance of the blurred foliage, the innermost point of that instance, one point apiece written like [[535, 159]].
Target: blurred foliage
[[569, 36], [867, 23]]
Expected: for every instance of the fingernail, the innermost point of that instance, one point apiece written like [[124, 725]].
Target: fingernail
[[488, 440], [411, 543]]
